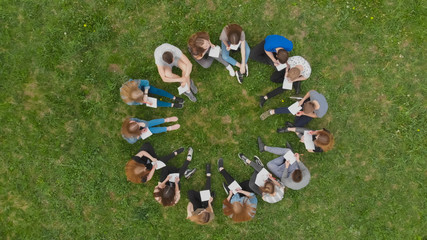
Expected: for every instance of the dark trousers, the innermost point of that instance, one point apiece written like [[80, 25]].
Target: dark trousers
[[194, 196], [229, 179], [258, 54], [300, 121], [149, 148], [257, 168], [278, 77], [170, 169]]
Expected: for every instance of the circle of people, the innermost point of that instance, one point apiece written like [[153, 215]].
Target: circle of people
[[241, 202]]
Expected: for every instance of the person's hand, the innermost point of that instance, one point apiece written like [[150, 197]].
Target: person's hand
[[154, 160], [228, 48], [287, 164], [168, 177], [297, 156], [276, 62], [210, 199], [230, 193], [144, 130], [242, 68], [312, 132], [301, 102], [177, 180], [299, 113], [145, 98]]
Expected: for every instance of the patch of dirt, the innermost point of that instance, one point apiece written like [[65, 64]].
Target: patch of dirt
[[368, 178], [349, 67], [115, 68], [226, 120]]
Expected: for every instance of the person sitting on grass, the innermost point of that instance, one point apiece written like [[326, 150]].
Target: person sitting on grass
[[273, 50], [240, 207], [167, 192], [133, 128], [198, 211], [294, 176], [140, 169], [313, 104], [136, 92], [167, 56], [199, 46], [272, 191], [323, 139], [232, 36]]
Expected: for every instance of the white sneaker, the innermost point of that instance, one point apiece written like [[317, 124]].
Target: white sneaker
[[231, 70], [247, 70]]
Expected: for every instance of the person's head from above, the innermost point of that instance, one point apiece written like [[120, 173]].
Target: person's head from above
[[130, 92], [239, 212], [203, 217], [293, 73], [308, 107], [199, 43], [166, 195], [131, 128], [136, 172], [167, 57], [282, 55], [324, 140], [268, 188], [297, 175], [234, 32]]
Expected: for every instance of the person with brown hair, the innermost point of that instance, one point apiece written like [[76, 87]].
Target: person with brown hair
[[198, 211], [233, 37], [133, 129], [294, 176], [323, 139], [272, 191], [199, 46], [273, 50], [136, 92], [241, 206], [167, 192], [141, 168], [168, 56]]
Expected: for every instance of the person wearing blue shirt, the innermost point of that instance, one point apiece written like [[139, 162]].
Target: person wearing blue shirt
[[273, 50]]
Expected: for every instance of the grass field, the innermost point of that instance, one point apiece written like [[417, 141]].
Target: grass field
[[62, 157]]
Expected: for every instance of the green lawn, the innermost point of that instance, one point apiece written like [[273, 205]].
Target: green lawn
[[62, 157]]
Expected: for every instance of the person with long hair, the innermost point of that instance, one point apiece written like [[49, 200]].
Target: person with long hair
[[232, 36], [198, 211], [199, 45], [323, 139], [168, 56], [294, 176], [240, 207], [134, 128], [137, 91], [272, 191], [141, 168], [167, 192]]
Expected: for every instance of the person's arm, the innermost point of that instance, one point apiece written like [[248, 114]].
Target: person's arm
[[209, 208], [167, 79], [271, 56], [163, 184], [177, 191], [189, 210], [285, 173], [230, 194], [153, 169], [312, 115], [307, 95], [227, 46], [246, 193], [274, 181], [300, 78], [146, 154], [243, 53], [186, 70]]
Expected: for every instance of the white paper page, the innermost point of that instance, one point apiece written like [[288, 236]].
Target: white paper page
[[214, 52], [174, 176], [205, 195], [294, 108], [234, 186], [235, 47], [160, 165], [280, 67], [146, 134], [287, 84], [308, 141], [261, 177], [182, 90], [290, 157], [153, 102]]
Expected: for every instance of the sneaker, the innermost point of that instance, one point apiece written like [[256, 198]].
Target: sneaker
[[191, 96], [224, 185], [178, 151], [178, 105], [243, 158], [189, 172], [262, 101], [239, 77], [258, 161], [261, 145], [247, 70], [265, 115], [179, 100], [208, 169], [220, 163], [231, 71], [282, 130], [193, 87], [190, 153], [289, 125], [288, 145]]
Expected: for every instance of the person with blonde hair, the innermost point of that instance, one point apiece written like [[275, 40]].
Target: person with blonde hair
[[141, 168], [240, 207], [136, 92], [134, 128], [199, 45], [323, 139]]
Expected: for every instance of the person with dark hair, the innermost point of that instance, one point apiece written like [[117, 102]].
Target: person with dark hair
[[199, 46], [272, 191], [323, 139], [168, 56], [167, 192], [233, 37], [198, 211], [273, 50], [294, 176], [136, 92], [140, 169], [240, 206], [134, 128], [314, 105]]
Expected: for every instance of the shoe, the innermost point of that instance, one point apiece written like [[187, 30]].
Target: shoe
[[179, 100], [239, 77], [288, 145], [178, 105], [190, 153], [191, 96], [297, 87], [208, 169], [247, 70], [258, 161], [180, 150], [193, 87], [189, 172], [243, 158], [265, 115], [289, 125], [262, 101], [261, 145], [220, 163], [231, 70], [224, 185], [282, 130]]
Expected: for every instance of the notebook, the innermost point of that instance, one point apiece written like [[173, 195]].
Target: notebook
[[214, 52], [160, 165], [174, 176], [205, 195], [146, 134], [290, 157], [261, 177], [294, 108], [153, 102], [234, 186], [182, 90], [308, 141], [235, 47], [280, 67], [287, 84]]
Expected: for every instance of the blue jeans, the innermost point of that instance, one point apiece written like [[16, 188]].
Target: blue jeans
[[232, 61], [163, 93], [156, 122]]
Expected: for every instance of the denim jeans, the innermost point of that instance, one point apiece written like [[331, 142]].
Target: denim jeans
[[163, 93], [156, 122], [232, 61]]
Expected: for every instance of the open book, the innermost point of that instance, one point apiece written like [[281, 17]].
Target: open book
[[146, 134], [234, 186], [287, 84], [235, 47], [308, 141], [153, 102], [294, 108], [182, 90], [261, 177], [174, 176], [290, 157], [280, 67], [160, 165], [214, 52], [205, 195]]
